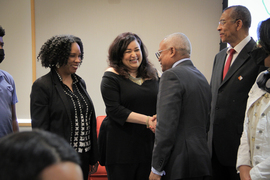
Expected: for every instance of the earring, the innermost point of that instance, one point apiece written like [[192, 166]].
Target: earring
[[57, 65]]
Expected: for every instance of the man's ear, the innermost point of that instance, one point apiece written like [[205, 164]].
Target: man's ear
[[239, 24], [172, 51]]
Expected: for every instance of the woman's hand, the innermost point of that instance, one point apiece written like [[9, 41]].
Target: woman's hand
[[244, 172], [153, 123], [93, 168]]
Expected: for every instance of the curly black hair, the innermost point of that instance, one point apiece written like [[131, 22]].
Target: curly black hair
[[56, 50], [116, 53], [2, 32]]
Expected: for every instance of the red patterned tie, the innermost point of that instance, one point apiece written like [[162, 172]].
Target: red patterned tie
[[228, 63]]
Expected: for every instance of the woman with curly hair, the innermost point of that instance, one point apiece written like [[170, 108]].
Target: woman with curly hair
[[60, 102], [129, 89]]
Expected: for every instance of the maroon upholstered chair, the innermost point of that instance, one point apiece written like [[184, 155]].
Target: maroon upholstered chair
[[101, 173]]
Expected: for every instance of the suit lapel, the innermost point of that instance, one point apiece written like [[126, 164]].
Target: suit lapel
[[242, 57], [61, 93], [221, 67]]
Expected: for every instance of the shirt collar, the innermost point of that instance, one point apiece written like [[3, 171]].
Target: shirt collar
[[238, 48], [180, 61], [75, 79], [1, 73]]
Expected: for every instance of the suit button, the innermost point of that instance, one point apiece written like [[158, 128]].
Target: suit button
[[217, 108], [263, 114], [257, 147], [260, 131], [160, 163]]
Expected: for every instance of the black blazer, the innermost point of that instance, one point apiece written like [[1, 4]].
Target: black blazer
[[182, 116], [49, 110], [229, 98]]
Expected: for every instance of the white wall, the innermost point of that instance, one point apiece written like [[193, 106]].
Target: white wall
[[15, 18], [97, 23]]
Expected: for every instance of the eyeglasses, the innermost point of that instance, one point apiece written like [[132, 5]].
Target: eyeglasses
[[222, 22], [159, 52]]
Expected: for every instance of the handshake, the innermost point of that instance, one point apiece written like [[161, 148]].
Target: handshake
[[151, 123]]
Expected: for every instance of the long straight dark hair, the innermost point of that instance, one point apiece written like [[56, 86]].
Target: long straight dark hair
[[116, 53]]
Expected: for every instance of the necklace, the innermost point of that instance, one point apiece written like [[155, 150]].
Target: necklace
[[138, 81]]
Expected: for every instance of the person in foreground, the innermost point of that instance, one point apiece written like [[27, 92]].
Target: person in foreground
[[234, 72], [38, 155], [60, 102], [183, 106], [8, 97], [129, 89], [253, 160]]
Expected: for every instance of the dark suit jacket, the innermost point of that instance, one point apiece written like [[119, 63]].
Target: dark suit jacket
[[182, 115], [50, 111], [229, 98]]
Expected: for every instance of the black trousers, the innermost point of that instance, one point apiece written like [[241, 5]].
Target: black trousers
[[85, 157], [221, 172], [198, 178], [139, 171], [194, 178]]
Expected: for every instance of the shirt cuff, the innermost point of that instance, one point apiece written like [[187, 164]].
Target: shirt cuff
[[157, 172]]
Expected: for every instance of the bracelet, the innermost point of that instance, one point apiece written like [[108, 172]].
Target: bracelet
[[147, 122]]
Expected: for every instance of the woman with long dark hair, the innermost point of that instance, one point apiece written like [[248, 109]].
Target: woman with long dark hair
[[129, 89]]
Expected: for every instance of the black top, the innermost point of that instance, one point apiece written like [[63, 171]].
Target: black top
[[127, 142], [81, 111], [50, 109]]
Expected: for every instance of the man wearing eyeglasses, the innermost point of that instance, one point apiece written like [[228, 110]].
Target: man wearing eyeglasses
[[183, 106], [234, 73]]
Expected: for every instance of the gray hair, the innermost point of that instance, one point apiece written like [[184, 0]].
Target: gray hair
[[180, 42]]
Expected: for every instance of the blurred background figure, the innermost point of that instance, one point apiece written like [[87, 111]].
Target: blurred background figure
[[129, 89], [8, 97], [253, 159], [60, 102], [38, 155]]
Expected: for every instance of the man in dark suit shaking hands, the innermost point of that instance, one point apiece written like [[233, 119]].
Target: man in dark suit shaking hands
[[230, 89], [183, 106]]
